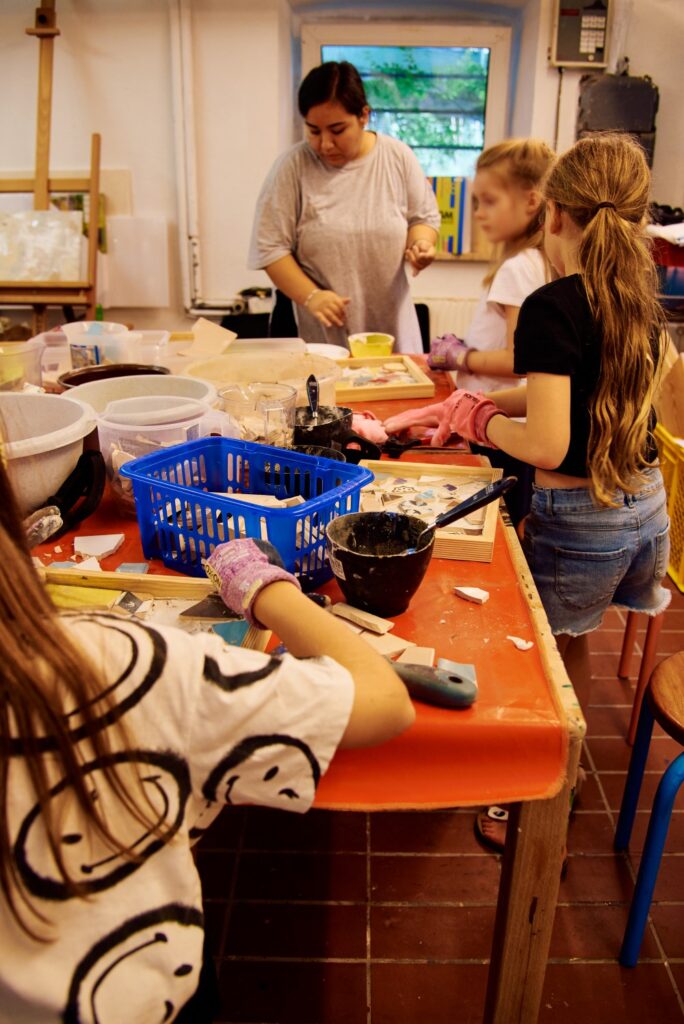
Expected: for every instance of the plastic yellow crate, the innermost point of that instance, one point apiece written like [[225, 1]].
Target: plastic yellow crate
[[672, 465]]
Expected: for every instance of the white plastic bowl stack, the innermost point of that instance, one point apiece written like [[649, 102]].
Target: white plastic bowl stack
[[43, 441]]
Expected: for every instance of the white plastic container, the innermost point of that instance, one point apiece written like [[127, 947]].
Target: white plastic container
[[44, 441], [99, 393], [20, 363], [131, 427], [92, 342], [270, 367]]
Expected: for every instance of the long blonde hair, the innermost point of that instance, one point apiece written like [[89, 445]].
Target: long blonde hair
[[521, 163], [603, 185], [41, 673]]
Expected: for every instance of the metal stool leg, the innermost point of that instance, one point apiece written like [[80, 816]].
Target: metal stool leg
[[635, 774], [650, 861], [655, 623]]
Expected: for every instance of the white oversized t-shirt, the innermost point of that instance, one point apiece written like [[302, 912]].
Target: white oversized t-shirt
[[515, 279], [209, 725], [346, 227]]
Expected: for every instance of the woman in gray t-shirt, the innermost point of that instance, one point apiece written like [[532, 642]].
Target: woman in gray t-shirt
[[340, 214]]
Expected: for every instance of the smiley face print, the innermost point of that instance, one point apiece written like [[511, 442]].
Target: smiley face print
[[139, 655], [89, 859], [145, 970], [274, 771]]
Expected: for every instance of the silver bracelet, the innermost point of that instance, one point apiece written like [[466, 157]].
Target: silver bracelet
[[310, 296]]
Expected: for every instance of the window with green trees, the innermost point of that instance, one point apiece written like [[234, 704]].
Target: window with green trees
[[433, 98]]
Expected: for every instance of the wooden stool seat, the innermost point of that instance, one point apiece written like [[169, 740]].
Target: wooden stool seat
[[666, 696]]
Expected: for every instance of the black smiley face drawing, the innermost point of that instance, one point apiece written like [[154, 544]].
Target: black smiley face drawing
[[145, 970], [89, 859], [145, 660], [274, 771]]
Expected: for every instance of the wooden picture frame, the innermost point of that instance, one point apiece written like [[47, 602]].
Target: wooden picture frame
[[462, 540], [420, 385]]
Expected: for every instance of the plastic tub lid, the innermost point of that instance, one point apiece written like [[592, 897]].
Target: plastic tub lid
[[153, 410]]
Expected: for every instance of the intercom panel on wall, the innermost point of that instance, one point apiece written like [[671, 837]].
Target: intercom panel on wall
[[580, 33]]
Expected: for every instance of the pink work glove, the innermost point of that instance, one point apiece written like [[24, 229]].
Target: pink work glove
[[467, 414], [426, 416], [369, 426], [241, 569], [447, 352]]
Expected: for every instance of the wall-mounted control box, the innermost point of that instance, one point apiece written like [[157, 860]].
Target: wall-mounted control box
[[580, 34]]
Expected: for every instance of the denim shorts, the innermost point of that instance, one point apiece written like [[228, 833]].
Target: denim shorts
[[585, 557]]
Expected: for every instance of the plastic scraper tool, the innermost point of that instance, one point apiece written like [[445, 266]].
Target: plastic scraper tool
[[450, 685]]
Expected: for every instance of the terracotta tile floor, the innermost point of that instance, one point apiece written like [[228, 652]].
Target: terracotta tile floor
[[335, 918]]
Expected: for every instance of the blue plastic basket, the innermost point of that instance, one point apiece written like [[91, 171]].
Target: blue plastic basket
[[181, 521]]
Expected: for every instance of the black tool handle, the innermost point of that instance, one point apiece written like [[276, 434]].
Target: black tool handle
[[489, 493]]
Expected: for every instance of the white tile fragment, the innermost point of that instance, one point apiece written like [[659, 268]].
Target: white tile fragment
[[474, 594], [522, 645]]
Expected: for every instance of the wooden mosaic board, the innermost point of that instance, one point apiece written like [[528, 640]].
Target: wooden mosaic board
[[412, 382], [424, 489]]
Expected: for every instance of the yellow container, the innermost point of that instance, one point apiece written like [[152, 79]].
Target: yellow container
[[372, 343], [672, 466]]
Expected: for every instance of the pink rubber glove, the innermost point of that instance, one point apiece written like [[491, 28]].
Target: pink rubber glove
[[468, 415], [426, 416], [447, 352], [369, 426], [241, 569]]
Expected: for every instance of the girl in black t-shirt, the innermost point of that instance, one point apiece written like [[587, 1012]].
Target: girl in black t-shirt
[[590, 345]]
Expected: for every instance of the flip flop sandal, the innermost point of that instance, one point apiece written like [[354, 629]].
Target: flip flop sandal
[[492, 814]]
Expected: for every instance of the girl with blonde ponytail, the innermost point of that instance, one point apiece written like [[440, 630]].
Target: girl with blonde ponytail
[[590, 345]]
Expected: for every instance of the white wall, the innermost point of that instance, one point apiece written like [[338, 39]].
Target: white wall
[[113, 74]]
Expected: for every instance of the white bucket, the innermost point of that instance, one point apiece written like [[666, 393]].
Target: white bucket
[[44, 439], [272, 367], [131, 427]]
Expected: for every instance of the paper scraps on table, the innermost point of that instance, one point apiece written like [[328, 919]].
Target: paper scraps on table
[[474, 594], [522, 645], [208, 339], [98, 545]]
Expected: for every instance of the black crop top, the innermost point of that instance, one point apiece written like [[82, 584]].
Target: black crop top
[[556, 334]]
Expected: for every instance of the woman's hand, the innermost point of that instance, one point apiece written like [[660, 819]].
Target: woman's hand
[[420, 255], [240, 569], [328, 307]]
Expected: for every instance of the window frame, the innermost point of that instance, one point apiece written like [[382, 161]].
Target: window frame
[[497, 38]]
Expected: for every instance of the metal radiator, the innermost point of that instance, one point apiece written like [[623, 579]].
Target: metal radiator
[[449, 316]]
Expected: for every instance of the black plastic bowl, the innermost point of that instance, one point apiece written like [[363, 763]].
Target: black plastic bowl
[[86, 374], [373, 562]]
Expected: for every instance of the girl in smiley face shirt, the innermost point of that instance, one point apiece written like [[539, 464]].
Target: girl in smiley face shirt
[[341, 214]]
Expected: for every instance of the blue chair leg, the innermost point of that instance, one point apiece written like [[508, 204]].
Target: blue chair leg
[[650, 861], [635, 774]]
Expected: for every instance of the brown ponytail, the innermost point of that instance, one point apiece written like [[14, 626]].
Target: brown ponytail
[[603, 184]]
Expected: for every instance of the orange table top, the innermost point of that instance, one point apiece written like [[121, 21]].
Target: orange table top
[[511, 745]]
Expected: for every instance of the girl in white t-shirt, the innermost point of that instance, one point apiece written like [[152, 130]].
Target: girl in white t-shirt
[[508, 208]]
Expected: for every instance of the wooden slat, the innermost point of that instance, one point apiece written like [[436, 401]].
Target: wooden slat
[[54, 184], [181, 587]]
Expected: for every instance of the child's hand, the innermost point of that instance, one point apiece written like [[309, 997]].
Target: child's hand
[[241, 569], [447, 352], [468, 415]]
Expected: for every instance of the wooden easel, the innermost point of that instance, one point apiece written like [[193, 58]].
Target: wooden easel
[[41, 294]]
